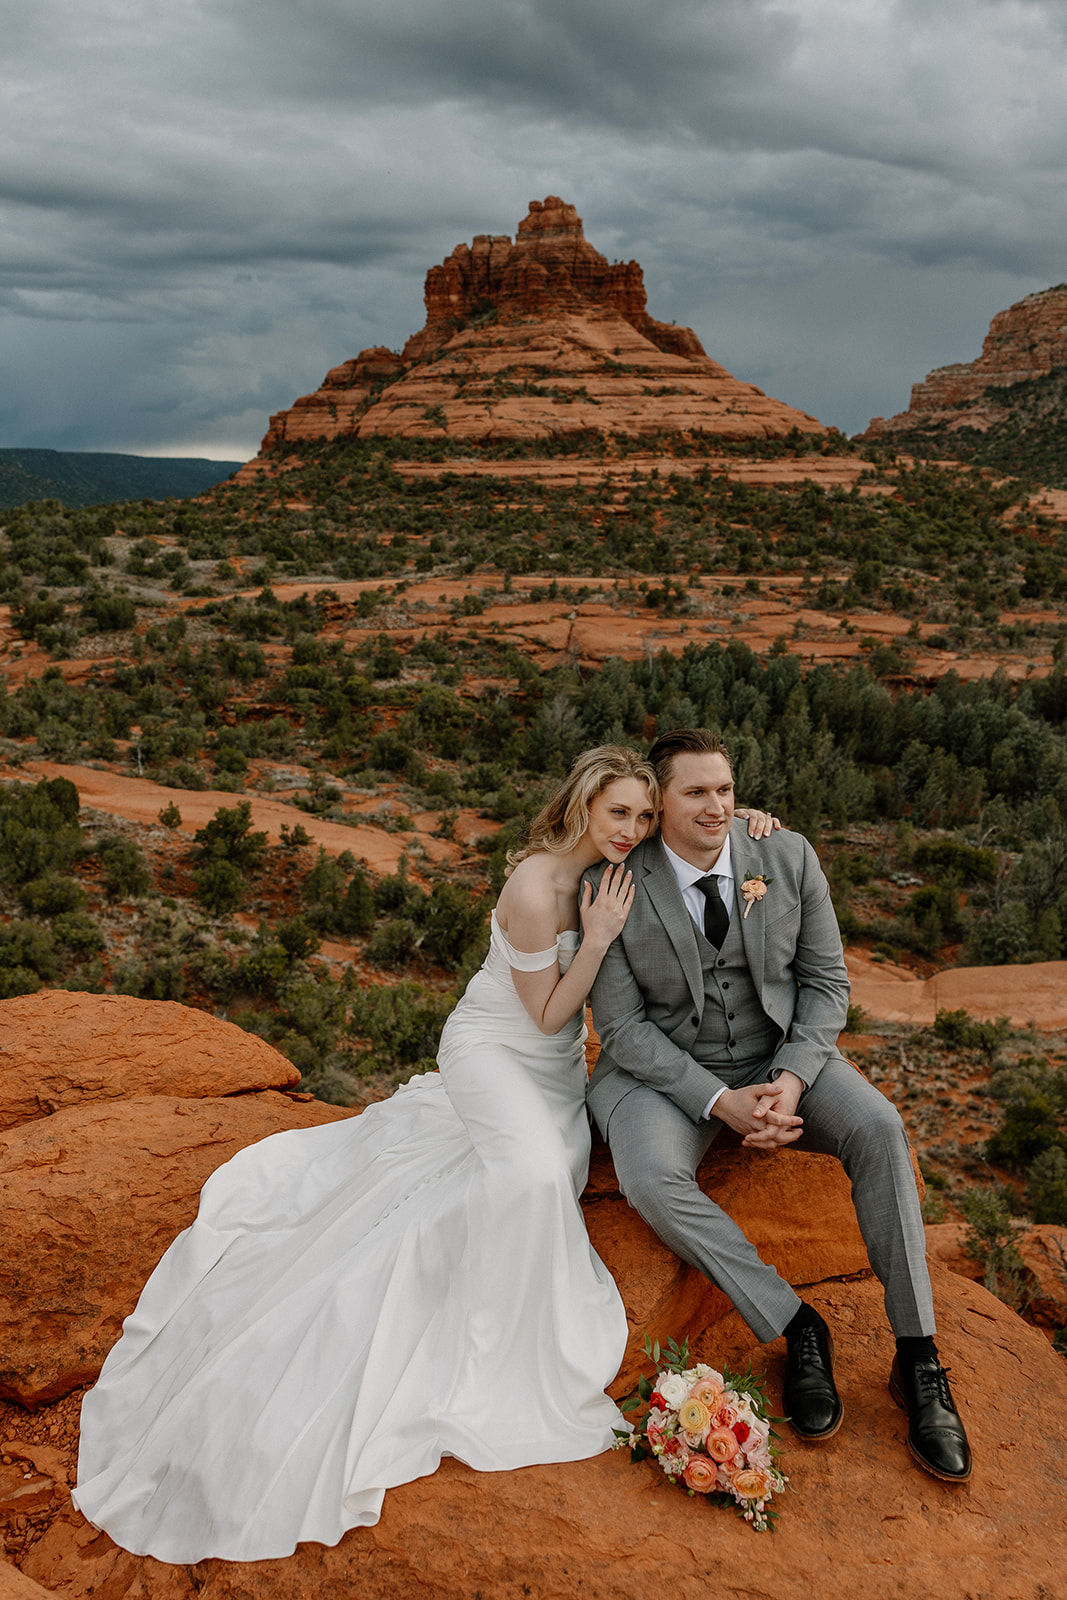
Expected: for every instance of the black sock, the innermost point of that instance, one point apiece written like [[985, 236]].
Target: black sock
[[917, 1348], [804, 1317]]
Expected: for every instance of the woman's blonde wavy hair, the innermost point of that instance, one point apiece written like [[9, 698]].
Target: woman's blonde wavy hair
[[563, 819]]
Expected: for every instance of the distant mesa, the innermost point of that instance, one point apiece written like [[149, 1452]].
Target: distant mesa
[[530, 340], [80, 478], [1006, 408]]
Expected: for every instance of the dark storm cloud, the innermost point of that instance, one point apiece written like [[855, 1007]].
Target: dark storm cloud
[[205, 203]]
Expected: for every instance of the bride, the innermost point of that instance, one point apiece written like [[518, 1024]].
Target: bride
[[355, 1301]]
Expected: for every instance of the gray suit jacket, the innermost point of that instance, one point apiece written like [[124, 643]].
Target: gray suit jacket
[[649, 993]]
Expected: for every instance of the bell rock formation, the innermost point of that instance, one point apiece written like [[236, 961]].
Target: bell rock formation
[[531, 340]]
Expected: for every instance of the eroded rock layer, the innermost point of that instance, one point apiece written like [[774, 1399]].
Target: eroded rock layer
[[1025, 343], [534, 339]]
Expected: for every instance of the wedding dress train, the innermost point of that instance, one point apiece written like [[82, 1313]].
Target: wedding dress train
[[357, 1300]]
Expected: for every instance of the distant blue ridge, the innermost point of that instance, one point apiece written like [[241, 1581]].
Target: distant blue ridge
[[88, 478]]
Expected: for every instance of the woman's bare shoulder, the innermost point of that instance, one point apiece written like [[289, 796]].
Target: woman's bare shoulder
[[529, 895]]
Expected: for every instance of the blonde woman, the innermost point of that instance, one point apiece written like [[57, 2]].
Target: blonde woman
[[357, 1300]]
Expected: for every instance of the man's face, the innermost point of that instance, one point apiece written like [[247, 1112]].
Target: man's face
[[698, 808]]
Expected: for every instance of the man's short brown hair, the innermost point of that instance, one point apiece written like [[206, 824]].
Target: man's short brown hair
[[684, 742]]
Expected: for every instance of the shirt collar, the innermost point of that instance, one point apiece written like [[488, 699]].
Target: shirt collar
[[687, 874]]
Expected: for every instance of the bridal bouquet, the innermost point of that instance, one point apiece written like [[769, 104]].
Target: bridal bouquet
[[709, 1431]]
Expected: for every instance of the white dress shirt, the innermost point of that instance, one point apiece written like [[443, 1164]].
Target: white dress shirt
[[688, 876]]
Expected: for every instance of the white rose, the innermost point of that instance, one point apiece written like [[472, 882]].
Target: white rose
[[673, 1387]]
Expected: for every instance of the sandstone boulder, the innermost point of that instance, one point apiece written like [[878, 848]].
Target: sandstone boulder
[[60, 1049], [90, 1198], [863, 1517], [92, 1194], [796, 1209]]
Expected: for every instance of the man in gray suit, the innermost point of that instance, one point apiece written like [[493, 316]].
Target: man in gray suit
[[722, 1004]]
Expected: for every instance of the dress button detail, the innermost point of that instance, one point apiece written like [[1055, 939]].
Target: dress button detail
[[731, 1043], [726, 983], [721, 961], [729, 1016]]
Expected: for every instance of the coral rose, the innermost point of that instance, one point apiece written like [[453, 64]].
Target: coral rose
[[700, 1475], [721, 1445]]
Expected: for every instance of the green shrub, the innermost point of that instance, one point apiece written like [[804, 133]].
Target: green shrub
[[50, 895], [990, 1240], [970, 865], [1034, 1097], [79, 934], [228, 838], [402, 1024], [152, 980], [27, 947], [394, 943], [220, 887], [39, 831], [126, 873], [170, 816], [450, 921], [357, 912], [109, 612], [961, 1029], [1046, 1187]]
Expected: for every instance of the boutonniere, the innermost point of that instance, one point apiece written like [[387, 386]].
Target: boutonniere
[[754, 887]]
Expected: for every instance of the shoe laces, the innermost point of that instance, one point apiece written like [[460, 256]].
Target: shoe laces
[[931, 1383], [804, 1346]]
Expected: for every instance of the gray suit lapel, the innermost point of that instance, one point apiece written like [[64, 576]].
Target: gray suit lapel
[[746, 855], [662, 888]]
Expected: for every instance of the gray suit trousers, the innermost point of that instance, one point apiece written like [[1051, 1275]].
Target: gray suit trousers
[[657, 1148]]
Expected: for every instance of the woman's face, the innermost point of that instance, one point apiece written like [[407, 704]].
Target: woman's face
[[619, 818]]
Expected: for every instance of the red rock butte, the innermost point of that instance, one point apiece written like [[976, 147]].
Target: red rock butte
[[531, 340], [1027, 341]]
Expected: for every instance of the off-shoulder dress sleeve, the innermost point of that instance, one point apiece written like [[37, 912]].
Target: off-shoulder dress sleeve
[[527, 960]]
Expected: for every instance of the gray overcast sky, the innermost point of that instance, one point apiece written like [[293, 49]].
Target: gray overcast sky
[[205, 204]]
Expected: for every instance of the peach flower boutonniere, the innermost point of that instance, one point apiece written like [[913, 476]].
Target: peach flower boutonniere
[[754, 888]]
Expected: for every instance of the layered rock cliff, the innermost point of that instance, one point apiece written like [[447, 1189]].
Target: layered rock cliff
[[532, 340], [1006, 407]]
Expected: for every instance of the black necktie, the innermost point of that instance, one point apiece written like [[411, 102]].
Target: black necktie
[[716, 916]]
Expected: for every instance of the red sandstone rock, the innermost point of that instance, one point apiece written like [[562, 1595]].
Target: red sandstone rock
[[531, 340], [14, 1585], [795, 1208], [864, 1518], [1027, 341], [90, 1198], [1043, 1247], [61, 1049], [91, 1195]]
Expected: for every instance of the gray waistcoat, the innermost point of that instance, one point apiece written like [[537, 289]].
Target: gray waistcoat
[[734, 1028]]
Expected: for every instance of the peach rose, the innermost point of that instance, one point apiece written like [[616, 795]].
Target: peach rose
[[752, 1483], [700, 1475], [753, 889], [709, 1391], [721, 1445]]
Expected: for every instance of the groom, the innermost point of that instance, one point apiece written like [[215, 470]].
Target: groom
[[722, 1004]]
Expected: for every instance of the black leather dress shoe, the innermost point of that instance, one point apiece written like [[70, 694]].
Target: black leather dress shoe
[[809, 1395], [936, 1436]]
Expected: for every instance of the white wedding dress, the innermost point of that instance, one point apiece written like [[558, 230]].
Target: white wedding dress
[[357, 1300]]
